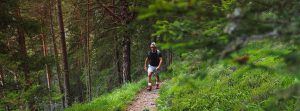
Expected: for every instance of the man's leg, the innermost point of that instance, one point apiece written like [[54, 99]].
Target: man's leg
[[157, 80], [149, 80], [149, 77]]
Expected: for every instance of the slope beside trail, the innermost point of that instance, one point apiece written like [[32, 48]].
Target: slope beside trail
[[145, 100]]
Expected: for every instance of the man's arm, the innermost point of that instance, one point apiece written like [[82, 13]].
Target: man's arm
[[160, 62], [146, 62]]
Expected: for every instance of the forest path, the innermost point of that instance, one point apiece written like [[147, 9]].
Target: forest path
[[145, 100]]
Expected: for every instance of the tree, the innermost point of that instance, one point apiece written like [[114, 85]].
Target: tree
[[117, 60], [57, 63], [23, 51], [126, 18], [68, 97], [48, 71], [123, 18], [87, 53]]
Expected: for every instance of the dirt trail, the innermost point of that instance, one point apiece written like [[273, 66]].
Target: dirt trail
[[145, 100]]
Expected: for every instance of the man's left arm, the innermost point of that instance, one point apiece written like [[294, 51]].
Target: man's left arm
[[160, 62]]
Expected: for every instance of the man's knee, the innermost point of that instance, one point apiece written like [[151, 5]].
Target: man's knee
[[149, 74]]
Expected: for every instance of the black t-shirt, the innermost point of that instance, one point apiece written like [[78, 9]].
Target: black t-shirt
[[154, 57]]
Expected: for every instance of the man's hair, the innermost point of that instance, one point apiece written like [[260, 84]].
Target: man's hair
[[153, 44]]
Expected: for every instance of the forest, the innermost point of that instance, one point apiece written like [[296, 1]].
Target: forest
[[89, 55]]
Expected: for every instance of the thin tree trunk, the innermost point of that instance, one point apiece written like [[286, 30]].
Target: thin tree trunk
[[82, 65], [87, 53], [45, 54], [78, 65], [117, 60], [2, 85], [1, 77], [68, 97], [58, 69], [80, 85], [47, 69], [125, 15], [1, 82]]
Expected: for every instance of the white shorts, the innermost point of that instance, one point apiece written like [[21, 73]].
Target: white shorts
[[152, 69]]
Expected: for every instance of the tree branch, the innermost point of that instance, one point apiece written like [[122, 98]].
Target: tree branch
[[110, 12]]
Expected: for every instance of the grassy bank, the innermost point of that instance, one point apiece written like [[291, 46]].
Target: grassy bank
[[226, 85], [117, 100]]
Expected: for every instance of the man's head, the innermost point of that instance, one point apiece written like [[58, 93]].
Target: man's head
[[153, 46]]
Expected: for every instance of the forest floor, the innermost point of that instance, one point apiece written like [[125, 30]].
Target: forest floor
[[145, 100]]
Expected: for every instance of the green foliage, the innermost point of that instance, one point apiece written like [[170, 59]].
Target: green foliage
[[184, 26], [183, 36], [198, 85]]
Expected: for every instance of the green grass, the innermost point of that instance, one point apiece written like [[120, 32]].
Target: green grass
[[118, 100], [229, 86]]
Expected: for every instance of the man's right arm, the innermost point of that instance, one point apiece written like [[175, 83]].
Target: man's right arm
[[146, 62]]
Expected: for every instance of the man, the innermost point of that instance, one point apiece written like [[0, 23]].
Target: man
[[154, 62]]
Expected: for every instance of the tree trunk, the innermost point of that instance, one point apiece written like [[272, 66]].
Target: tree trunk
[[68, 97], [87, 53], [23, 53], [126, 58], [1, 78], [117, 60], [125, 15], [117, 54], [47, 69], [2, 86], [45, 53], [1, 82], [58, 69]]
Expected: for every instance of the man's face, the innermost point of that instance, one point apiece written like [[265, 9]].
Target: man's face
[[153, 48]]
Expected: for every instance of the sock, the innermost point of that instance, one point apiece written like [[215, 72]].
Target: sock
[[149, 84]]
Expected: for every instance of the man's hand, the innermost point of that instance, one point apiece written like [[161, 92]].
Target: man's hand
[[145, 68], [160, 62], [158, 68]]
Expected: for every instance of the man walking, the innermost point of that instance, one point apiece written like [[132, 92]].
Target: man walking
[[154, 62]]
